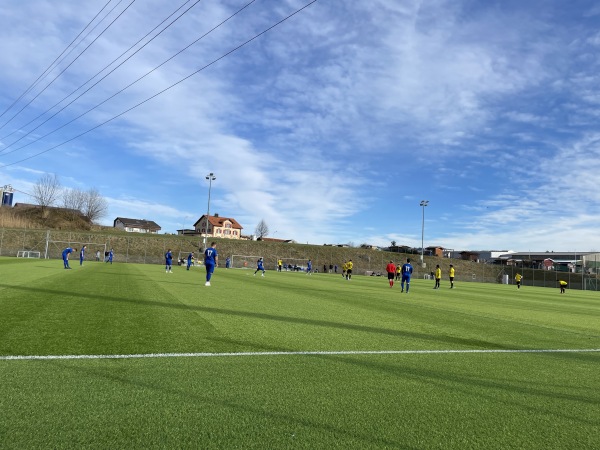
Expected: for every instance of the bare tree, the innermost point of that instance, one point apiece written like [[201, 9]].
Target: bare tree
[[74, 201], [261, 230], [46, 191], [95, 206]]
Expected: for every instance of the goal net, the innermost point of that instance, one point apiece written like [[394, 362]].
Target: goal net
[[183, 256], [28, 254], [244, 261], [54, 249], [295, 265]]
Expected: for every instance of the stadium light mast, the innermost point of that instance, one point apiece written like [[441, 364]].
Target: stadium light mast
[[423, 204], [210, 177]]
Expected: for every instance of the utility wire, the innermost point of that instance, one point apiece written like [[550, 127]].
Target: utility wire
[[69, 65], [164, 90], [121, 90], [101, 79], [52, 65]]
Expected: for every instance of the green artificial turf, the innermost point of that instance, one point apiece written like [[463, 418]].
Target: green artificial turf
[[322, 400]]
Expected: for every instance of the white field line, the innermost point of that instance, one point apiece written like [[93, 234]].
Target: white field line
[[305, 353]]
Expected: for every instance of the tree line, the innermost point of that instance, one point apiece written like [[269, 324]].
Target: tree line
[[48, 192]]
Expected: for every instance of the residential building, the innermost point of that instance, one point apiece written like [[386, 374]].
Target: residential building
[[220, 227], [136, 225]]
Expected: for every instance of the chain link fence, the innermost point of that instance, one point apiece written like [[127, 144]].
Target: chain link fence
[[150, 249]]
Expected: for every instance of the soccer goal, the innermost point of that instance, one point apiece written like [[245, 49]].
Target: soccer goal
[[28, 254], [294, 265], [183, 256], [54, 248], [244, 261]]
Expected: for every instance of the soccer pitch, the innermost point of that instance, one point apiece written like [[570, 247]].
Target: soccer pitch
[[127, 356]]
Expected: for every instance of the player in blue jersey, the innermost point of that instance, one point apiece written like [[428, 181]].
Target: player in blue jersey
[[259, 266], [81, 255], [168, 262], [65, 254], [407, 271], [211, 260], [309, 268], [109, 257], [190, 260]]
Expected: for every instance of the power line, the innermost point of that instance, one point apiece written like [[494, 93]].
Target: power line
[[164, 90], [71, 63], [99, 72], [121, 90], [52, 64]]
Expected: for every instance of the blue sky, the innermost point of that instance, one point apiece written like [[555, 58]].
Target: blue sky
[[331, 127]]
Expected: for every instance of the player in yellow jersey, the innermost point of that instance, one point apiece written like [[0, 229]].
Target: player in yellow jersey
[[344, 268], [563, 285], [279, 265], [518, 278], [451, 275], [438, 276], [349, 266], [398, 272]]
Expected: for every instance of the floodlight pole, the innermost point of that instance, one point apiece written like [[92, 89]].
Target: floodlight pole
[[210, 177], [423, 204]]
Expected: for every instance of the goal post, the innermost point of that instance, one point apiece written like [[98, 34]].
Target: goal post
[[28, 254], [294, 264], [244, 261], [183, 256], [54, 249]]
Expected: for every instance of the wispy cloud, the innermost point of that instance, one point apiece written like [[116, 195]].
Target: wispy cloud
[[333, 125]]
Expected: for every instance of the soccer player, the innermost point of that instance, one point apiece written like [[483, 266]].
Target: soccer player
[[110, 256], [407, 271], [259, 266], [518, 278], [438, 276], [279, 265], [398, 273], [65, 254], [81, 252], [168, 261], [211, 260], [563, 285], [309, 267], [349, 267], [190, 260], [391, 271], [98, 255], [451, 275]]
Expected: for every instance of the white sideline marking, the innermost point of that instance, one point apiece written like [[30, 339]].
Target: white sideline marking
[[309, 353]]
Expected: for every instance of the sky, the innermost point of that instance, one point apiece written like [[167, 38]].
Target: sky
[[331, 124]]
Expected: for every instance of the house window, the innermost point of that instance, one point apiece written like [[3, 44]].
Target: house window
[[235, 233], [227, 231], [218, 231], [227, 225]]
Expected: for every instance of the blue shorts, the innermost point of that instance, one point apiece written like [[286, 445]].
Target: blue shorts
[[210, 268], [406, 278]]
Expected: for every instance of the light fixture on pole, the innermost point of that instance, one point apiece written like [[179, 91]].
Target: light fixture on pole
[[210, 177], [423, 204]]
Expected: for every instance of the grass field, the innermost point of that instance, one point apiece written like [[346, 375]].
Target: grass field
[[290, 361]]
